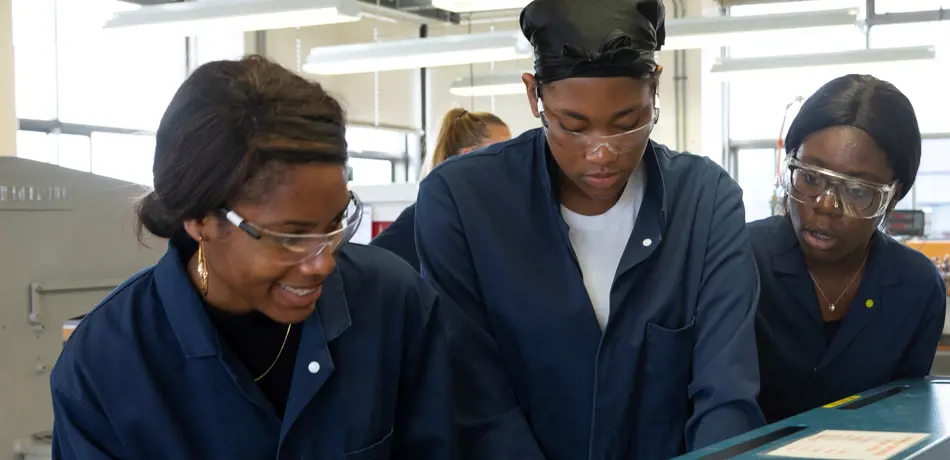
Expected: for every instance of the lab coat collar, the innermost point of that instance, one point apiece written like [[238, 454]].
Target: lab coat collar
[[332, 308], [788, 258], [182, 303], [185, 308], [655, 158]]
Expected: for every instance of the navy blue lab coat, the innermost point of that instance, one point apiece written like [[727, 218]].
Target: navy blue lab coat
[[399, 238], [144, 376], [535, 377], [890, 332]]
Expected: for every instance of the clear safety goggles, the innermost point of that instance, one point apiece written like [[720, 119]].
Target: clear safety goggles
[[292, 249], [624, 143], [850, 196]]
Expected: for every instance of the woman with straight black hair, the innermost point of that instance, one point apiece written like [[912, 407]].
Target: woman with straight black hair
[[261, 333], [843, 307]]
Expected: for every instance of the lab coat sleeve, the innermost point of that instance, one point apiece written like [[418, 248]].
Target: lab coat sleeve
[[424, 430], [919, 355], [399, 237], [725, 364], [491, 424], [81, 432]]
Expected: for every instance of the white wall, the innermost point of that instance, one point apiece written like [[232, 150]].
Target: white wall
[[8, 123]]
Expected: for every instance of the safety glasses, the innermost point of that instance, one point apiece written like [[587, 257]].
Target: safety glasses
[[629, 142], [852, 197], [292, 249]]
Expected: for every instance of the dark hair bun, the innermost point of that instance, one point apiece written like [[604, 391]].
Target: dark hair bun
[[153, 216]]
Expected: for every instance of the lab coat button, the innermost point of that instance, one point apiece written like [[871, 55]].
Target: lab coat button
[[313, 367], [647, 242]]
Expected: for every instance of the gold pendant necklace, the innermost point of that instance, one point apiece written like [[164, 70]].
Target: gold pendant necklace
[[831, 305], [286, 335]]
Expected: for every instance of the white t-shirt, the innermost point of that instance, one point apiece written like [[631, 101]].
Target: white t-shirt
[[599, 242]]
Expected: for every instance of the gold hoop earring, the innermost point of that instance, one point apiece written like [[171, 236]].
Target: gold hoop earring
[[202, 269]]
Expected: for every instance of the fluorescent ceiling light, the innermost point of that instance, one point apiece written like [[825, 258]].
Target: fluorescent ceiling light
[[863, 61], [195, 17], [465, 6], [506, 46], [417, 53], [714, 32], [493, 85]]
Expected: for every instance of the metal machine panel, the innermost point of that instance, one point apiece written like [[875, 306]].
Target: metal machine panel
[[904, 420], [67, 238]]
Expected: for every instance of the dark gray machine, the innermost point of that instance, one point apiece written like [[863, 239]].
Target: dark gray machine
[[67, 238]]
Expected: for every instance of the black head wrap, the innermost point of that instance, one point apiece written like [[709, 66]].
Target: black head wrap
[[593, 38]]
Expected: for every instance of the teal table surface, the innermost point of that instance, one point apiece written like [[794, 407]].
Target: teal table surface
[[909, 406]]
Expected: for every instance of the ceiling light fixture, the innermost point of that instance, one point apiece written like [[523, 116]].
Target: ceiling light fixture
[[718, 31], [418, 53], [507, 46], [865, 61], [494, 85], [198, 17], [468, 6]]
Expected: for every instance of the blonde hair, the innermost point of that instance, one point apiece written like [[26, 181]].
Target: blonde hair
[[462, 129]]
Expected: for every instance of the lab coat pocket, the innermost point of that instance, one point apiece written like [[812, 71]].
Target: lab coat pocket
[[376, 451], [663, 392], [667, 365]]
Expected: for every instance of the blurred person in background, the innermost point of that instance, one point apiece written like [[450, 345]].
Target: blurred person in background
[[844, 308], [261, 333], [462, 132], [599, 288]]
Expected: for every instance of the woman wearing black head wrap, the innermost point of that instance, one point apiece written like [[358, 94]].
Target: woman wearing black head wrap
[[843, 307], [600, 288]]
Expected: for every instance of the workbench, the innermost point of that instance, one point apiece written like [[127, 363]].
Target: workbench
[[907, 419]]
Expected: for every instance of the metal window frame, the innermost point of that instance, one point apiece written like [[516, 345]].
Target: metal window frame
[[76, 129]]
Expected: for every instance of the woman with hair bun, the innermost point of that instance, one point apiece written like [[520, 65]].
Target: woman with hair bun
[[462, 132], [261, 333]]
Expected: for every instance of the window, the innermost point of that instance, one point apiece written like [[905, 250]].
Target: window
[[368, 171], [32, 145], [34, 57], [935, 157], [930, 189], [107, 78], [66, 150], [756, 109], [908, 201], [378, 140], [923, 84], [374, 153], [791, 7], [904, 6], [126, 157], [71, 151], [757, 178], [218, 46]]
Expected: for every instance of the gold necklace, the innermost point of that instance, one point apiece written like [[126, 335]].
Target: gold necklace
[[831, 305], [286, 335]]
